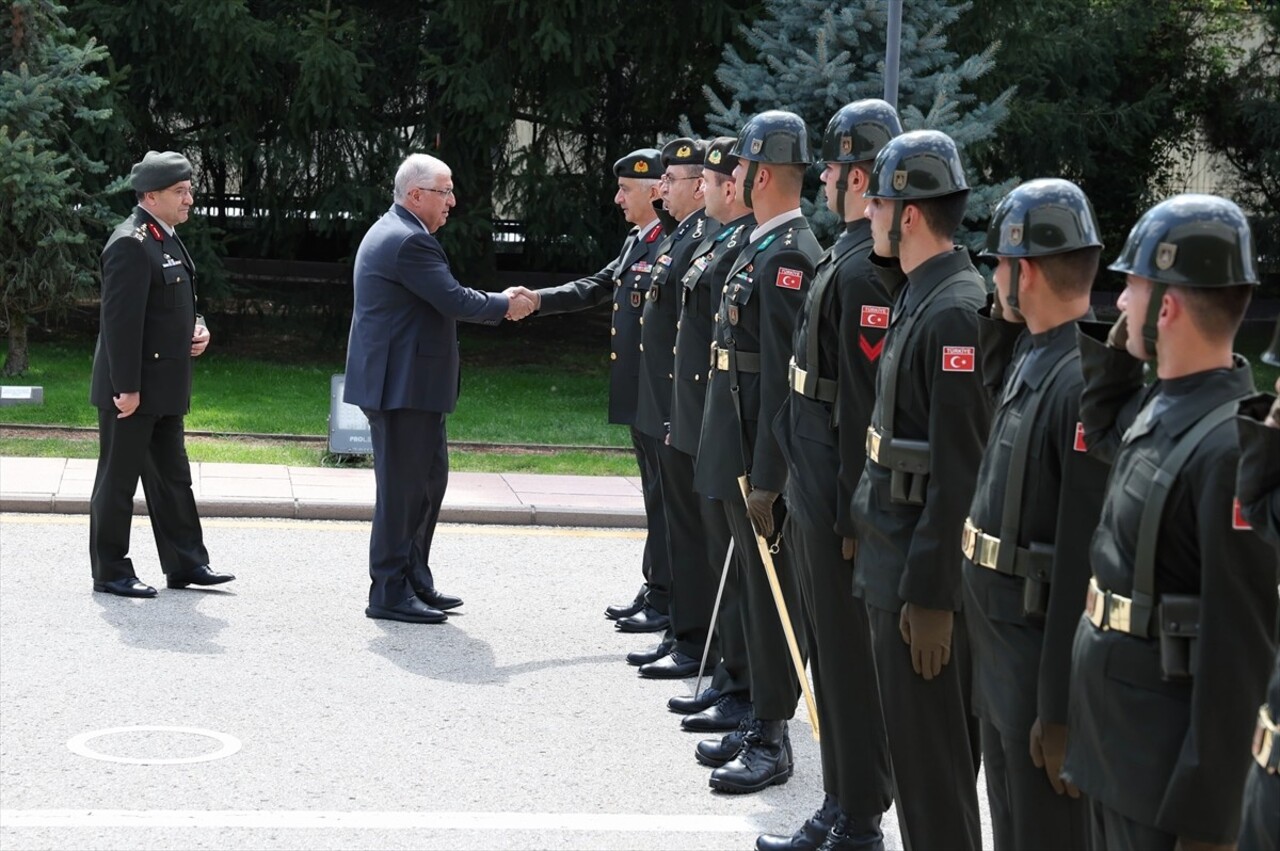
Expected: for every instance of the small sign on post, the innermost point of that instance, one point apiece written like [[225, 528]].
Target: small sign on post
[[348, 426], [15, 395]]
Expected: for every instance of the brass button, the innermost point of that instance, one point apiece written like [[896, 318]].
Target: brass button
[[669, 375], [696, 376], [641, 320], [156, 356], [673, 350], [677, 324], [717, 317], [642, 347], [725, 288], [615, 305], [613, 332], [613, 355]]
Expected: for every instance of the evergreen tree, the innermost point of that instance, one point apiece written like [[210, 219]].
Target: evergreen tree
[[813, 56], [48, 213]]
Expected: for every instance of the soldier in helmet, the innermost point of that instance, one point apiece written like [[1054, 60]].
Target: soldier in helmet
[[1036, 503], [1258, 481], [727, 700], [1171, 655], [924, 443], [625, 281], [751, 347], [822, 429], [692, 583]]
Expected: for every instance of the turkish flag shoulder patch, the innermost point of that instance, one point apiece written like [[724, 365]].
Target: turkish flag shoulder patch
[[789, 279], [1079, 445], [875, 316], [957, 358], [1238, 520]]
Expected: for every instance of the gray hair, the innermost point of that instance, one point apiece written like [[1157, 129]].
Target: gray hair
[[415, 170]]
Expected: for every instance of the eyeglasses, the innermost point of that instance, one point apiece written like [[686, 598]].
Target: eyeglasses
[[445, 192], [666, 178]]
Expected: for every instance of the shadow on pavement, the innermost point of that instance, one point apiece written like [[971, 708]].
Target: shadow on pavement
[[170, 622]]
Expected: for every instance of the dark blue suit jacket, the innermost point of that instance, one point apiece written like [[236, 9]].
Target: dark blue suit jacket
[[403, 348]]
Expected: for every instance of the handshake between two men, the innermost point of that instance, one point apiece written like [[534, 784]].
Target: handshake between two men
[[521, 302]]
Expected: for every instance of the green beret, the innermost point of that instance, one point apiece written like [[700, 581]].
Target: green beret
[[683, 151], [159, 171], [718, 157], [644, 164]]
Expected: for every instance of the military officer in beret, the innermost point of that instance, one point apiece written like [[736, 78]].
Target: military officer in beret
[[822, 428], [692, 585], [1258, 489], [141, 385], [1171, 656], [625, 282], [924, 443], [764, 289], [1036, 504], [727, 700]]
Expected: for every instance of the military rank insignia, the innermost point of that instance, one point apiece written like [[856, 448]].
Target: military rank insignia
[[636, 298], [958, 358], [653, 293], [697, 231], [155, 232], [871, 351], [642, 267], [1079, 445], [789, 279], [653, 235], [733, 314]]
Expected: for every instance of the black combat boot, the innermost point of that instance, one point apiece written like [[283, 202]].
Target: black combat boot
[[765, 760], [854, 833], [714, 753], [810, 835]]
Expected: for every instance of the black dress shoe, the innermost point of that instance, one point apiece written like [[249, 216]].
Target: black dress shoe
[[626, 611], [763, 761], [653, 654], [714, 753], [689, 704], [437, 600], [854, 834], [810, 835], [725, 714], [411, 610], [673, 666], [201, 575], [130, 586], [647, 619]]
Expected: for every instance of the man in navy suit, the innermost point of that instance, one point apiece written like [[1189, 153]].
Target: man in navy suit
[[403, 372]]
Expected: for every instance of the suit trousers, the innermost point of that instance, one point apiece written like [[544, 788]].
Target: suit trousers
[[1025, 811], [774, 686], [731, 674], [855, 750], [933, 739], [657, 549], [151, 448], [411, 470], [693, 586], [1260, 816], [1115, 832]]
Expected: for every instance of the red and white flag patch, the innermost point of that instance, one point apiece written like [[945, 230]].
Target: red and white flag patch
[[875, 316], [1238, 520], [790, 279], [1079, 444], [957, 358]]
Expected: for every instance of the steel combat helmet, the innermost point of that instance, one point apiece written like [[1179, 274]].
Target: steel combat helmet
[[855, 134], [915, 166], [774, 137]]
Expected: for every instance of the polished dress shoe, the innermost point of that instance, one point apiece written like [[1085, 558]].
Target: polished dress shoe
[[850, 833], [810, 835], [673, 666], [201, 575], [411, 610], [130, 586], [725, 714], [764, 760], [653, 654], [437, 600], [714, 753], [626, 611], [647, 619], [689, 704]]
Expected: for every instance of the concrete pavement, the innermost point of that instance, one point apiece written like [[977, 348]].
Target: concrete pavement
[[63, 486]]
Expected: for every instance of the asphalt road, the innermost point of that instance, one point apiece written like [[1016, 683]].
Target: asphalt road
[[302, 724]]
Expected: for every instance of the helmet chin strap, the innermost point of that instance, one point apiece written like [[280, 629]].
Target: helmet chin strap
[[895, 230], [1150, 324], [1014, 275], [748, 179], [842, 184]]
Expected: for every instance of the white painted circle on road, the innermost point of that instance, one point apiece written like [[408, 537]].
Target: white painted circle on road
[[80, 745]]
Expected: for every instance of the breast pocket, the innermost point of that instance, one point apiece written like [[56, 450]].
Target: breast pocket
[[175, 292], [738, 303]]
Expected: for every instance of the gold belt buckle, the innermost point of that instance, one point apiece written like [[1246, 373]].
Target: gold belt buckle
[[1120, 614], [988, 550], [1096, 604], [873, 444], [722, 359], [795, 376], [968, 539], [1264, 739]]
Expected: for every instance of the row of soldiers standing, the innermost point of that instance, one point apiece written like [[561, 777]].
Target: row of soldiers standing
[[945, 479]]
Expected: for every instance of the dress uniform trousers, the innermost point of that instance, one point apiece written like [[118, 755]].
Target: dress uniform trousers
[[149, 447], [657, 554], [933, 739], [731, 674], [1015, 785], [693, 587], [774, 687]]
